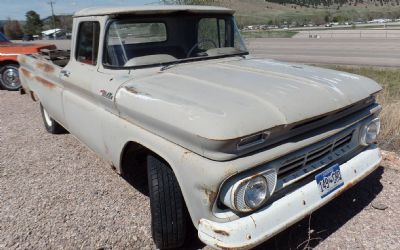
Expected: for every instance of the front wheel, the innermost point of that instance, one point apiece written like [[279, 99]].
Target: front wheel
[[50, 124], [9, 77], [168, 210]]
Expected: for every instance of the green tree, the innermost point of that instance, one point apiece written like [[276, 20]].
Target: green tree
[[33, 25], [12, 29]]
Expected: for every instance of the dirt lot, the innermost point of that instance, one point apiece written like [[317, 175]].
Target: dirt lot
[[55, 193]]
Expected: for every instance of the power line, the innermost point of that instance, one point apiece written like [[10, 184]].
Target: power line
[[51, 3]]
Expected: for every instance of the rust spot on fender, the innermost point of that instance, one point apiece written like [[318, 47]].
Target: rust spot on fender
[[34, 96], [44, 82], [346, 187], [211, 195], [45, 67], [221, 232], [26, 73]]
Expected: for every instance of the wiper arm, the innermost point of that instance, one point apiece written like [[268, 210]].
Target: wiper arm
[[168, 66]]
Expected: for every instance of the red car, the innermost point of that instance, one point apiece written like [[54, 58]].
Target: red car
[[9, 78]]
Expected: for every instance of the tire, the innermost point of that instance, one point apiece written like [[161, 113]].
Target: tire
[[50, 124], [168, 211], [9, 77]]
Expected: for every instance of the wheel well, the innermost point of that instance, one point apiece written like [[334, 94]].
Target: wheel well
[[133, 165], [2, 63]]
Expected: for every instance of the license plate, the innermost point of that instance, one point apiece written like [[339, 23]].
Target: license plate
[[329, 180]]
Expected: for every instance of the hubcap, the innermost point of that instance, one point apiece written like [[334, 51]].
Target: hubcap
[[47, 118], [10, 78]]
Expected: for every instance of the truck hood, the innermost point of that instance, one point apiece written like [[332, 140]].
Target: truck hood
[[229, 99]]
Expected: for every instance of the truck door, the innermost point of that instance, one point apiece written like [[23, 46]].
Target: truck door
[[81, 111]]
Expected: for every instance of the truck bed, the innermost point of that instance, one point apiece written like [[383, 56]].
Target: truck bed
[[40, 76], [57, 57]]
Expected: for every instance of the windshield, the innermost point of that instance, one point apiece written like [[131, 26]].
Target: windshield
[[3, 39], [160, 40]]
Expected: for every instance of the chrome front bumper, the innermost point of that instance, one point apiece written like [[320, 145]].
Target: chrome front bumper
[[261, 225]]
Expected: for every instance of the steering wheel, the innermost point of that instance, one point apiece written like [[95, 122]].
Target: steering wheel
[[198, 43]]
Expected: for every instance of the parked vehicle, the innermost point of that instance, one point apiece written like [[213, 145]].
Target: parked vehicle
[[27, 38], [9, 78], [241, 147]]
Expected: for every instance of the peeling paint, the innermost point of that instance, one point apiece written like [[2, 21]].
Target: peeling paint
[[211, 195], [45, 82], [34, 96], [26, 73], [45, 67], [221, 232]]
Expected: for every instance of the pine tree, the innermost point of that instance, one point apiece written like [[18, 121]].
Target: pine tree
[[33, 24]]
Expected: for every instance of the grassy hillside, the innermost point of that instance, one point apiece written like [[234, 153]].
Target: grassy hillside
[[284, 12], [389, 98]]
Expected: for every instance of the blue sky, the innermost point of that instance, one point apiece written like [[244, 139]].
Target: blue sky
[[16, 9]]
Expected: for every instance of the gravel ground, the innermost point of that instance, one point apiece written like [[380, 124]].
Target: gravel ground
[[57, 194]]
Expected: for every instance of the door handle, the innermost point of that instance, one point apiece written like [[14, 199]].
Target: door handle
[[65, 73]]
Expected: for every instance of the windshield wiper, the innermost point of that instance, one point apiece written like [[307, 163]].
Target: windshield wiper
[[171, 65], [168, 66]]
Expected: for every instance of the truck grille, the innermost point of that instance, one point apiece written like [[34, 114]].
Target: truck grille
[[316, 155]]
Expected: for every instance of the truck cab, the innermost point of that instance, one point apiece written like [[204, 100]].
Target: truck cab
[[240, 147]]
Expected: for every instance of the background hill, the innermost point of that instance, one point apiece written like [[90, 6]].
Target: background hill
[[277, 12]]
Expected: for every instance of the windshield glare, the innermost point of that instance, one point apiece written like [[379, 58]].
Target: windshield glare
[[162, 40]]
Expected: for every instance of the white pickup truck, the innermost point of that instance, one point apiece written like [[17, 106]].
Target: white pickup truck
[[241, 147]]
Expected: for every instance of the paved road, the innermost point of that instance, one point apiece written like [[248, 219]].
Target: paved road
[[351, 50], [373, 52]]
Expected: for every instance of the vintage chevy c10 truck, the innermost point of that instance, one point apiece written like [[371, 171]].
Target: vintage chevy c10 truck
[[242, 147]]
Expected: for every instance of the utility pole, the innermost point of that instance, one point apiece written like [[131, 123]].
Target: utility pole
[[52, 2]]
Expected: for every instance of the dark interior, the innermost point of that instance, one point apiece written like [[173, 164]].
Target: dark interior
[[115, 56]]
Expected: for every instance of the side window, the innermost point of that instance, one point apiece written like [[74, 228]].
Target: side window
[[211, 33], [87, 46]]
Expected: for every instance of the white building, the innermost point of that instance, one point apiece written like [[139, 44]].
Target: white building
[[54, 34]]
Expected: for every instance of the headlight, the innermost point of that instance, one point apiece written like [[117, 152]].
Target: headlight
[[369, 132], [250, 193], [256, 192]]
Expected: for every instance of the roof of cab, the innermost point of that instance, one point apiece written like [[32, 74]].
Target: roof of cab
[[151, 9]]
